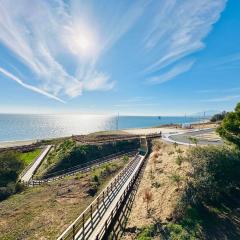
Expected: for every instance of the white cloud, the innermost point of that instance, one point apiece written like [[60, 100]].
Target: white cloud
[[62, 43], [30, 87], [222, 99], [219, 90], [172, 73], [98, 82], [43, 35], [178, 29]]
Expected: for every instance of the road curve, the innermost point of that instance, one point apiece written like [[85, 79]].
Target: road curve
[[183, 138]]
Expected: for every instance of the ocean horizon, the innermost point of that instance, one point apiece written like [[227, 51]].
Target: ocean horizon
[[20, 127]]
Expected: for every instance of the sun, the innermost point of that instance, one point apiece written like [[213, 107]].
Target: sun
[[82, 41]]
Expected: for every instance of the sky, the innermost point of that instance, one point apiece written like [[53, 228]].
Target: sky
[[145, 57]]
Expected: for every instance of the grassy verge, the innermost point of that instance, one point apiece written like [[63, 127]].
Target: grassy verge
[[46, 211], [11, 165], [29, 157], [68, 154]]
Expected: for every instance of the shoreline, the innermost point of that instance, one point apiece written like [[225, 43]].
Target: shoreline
[[166, 128]]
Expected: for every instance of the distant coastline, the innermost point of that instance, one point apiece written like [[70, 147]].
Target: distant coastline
[[33, 127]]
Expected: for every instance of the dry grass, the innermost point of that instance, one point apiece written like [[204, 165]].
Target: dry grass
[[159, 180], [44, 212]]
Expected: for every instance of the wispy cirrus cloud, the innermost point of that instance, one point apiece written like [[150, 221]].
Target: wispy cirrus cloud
[[236, 89], [172, 73], [222, 99], [30, 87], [171, 39], [43, 35], [61, 43]]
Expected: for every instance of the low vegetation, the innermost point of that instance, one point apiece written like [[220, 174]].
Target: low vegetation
[[11, 165], [45, 211], [218, 117], [69, 154], [28, 157], [230, 127], [207, 191]]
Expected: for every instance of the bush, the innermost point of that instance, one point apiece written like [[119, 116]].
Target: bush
[[215, 170], [230, 127], [96, 179], [10, 167], [218, 117], [177, 232], [125, 159], [68, 154], [179, 160], [147, 233]]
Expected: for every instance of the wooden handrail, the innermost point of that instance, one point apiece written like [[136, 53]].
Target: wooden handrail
[[85, 222], [88, 167]]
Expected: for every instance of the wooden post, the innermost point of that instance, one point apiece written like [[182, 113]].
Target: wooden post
[[106, 226], [73, 232], [83, 226], [91, 212]]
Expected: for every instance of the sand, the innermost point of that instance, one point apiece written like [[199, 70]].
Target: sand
[[16, 143]]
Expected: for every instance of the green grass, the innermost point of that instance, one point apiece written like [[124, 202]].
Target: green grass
[[43, 212], [29, 157]]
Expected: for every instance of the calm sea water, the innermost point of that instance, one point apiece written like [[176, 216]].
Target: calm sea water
[[34, 126]]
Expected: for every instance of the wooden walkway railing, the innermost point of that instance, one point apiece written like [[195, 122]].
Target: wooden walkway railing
[[80, 168], [95, 220]]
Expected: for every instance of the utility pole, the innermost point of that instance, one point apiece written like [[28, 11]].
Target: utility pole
[[117, 121]]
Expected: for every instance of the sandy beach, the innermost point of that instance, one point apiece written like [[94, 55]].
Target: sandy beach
[[16, 143]]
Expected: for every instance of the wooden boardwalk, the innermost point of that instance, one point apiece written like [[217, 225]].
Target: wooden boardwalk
[[94, 222]]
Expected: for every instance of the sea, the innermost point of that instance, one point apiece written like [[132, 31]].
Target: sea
[[18, 127]]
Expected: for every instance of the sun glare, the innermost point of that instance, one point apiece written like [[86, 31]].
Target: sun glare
[[83, 41]]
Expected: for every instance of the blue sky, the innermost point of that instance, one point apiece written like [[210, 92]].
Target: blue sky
[[146, 57]]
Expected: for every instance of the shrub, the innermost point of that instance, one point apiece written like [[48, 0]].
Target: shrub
[[125, 159], [92, 189], [175, 145], [215, 170], [193, 140], [179, 160], [68, 154], [96, 178], [10, 167], [179, 151], [177, 232], [156, 184], [176, 178], [230, 127], [218, 117], [147, 233]]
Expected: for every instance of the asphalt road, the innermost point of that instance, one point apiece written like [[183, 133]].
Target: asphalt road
[[184, 138]]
